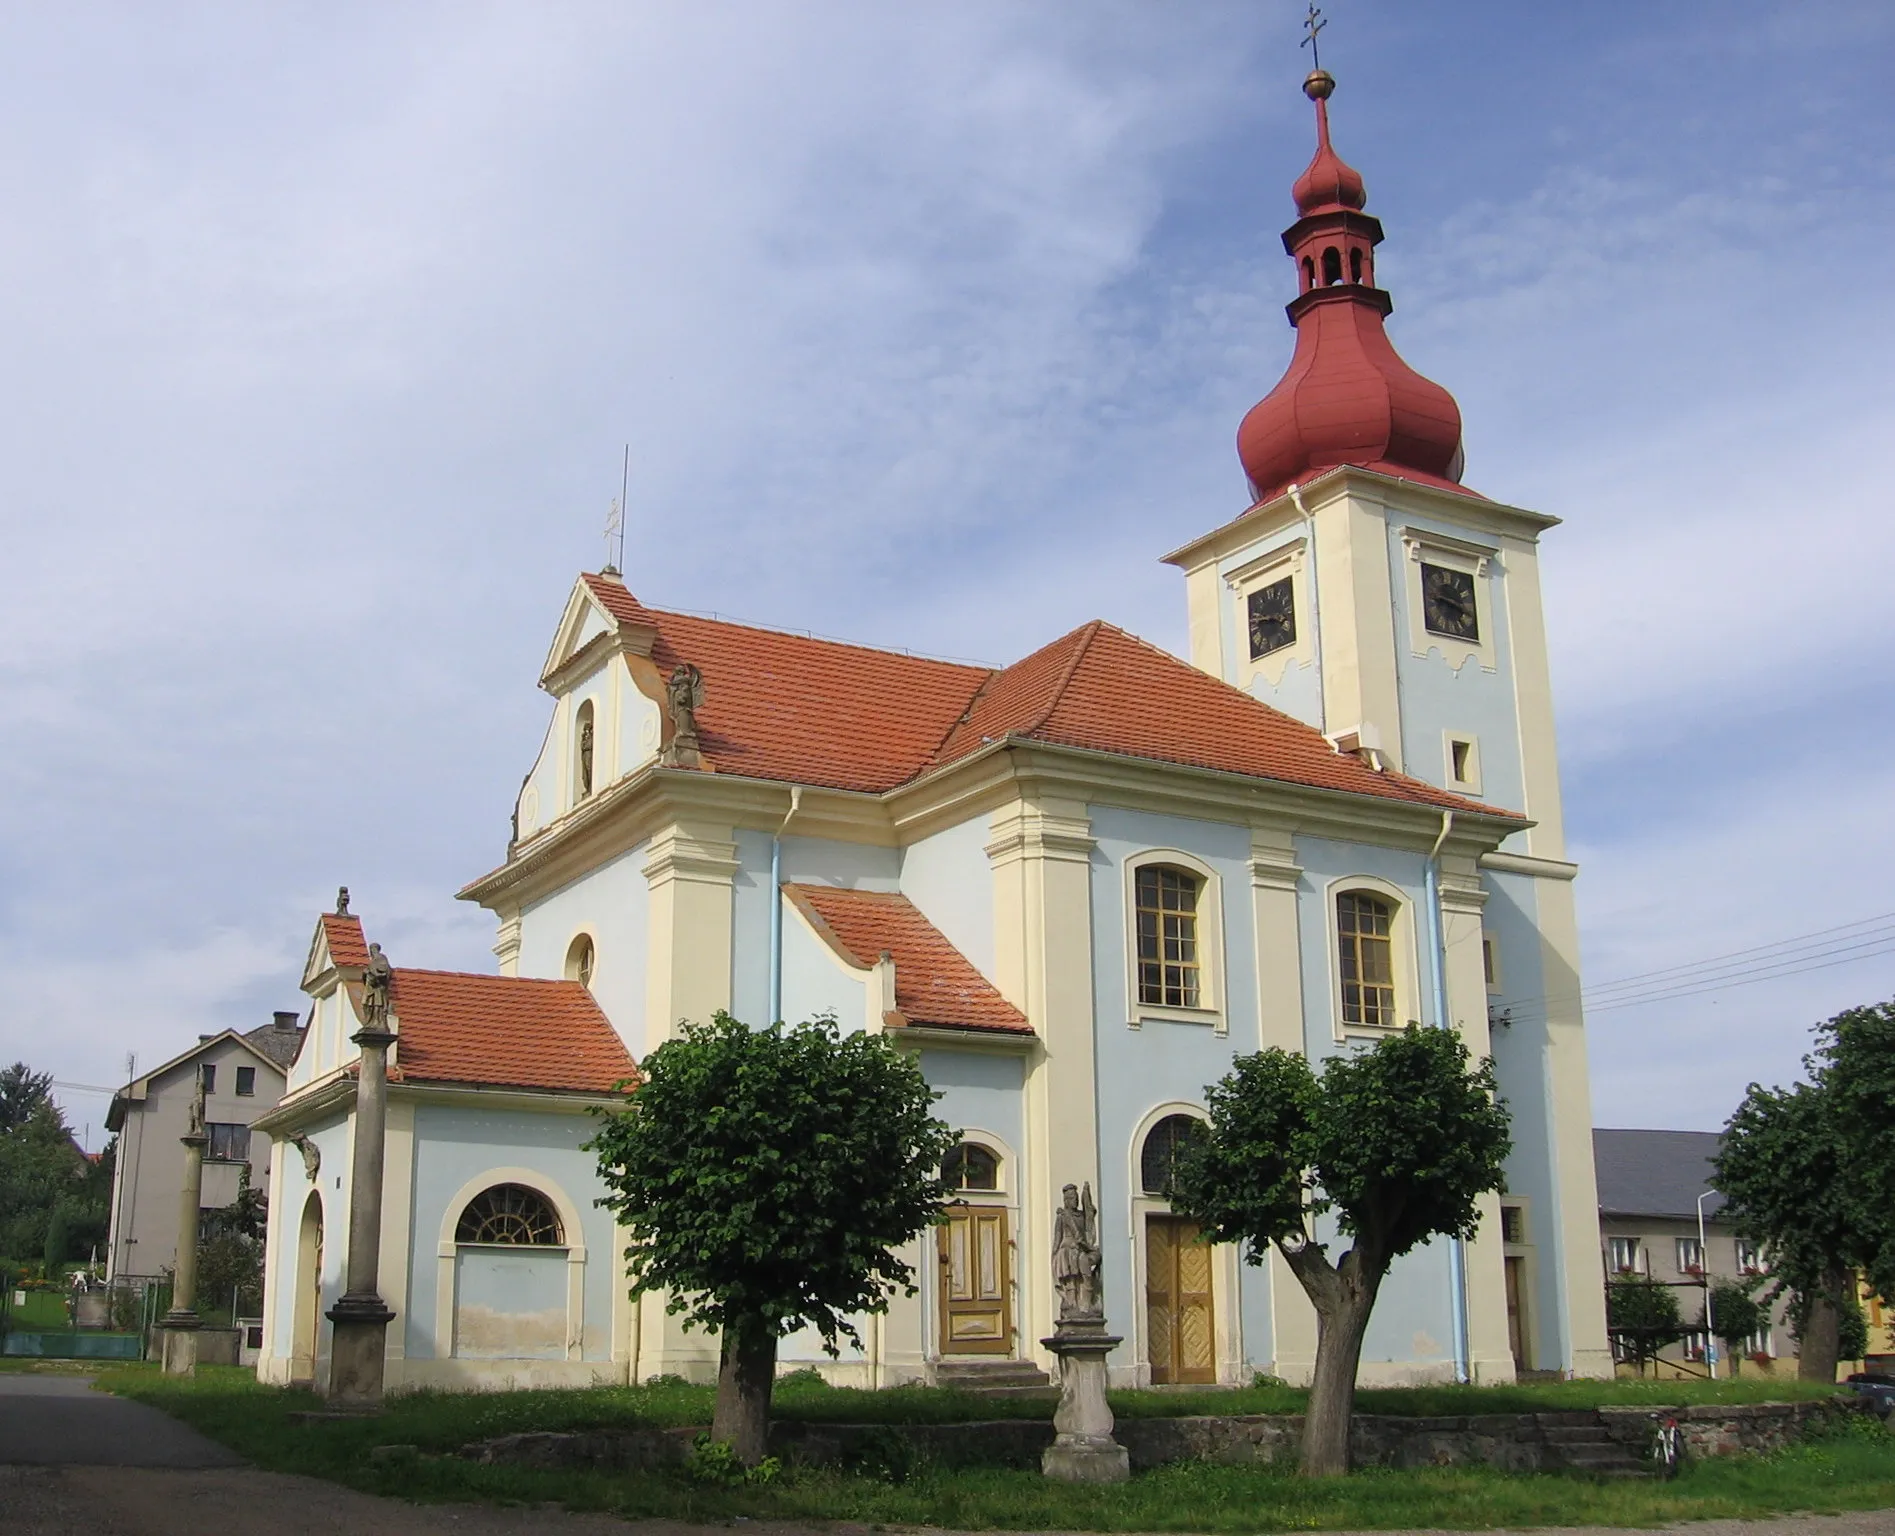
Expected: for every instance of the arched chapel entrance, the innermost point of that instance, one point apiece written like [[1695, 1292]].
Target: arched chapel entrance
[[306, 1336]]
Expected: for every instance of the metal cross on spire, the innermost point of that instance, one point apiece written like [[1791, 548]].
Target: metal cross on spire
[[615, 521], [1312, 24]]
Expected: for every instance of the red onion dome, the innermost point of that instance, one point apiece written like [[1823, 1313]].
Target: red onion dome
[[1347, 397]]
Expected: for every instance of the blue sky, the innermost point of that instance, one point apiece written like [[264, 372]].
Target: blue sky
[[928, 325]]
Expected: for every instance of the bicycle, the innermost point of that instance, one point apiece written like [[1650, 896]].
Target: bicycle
[[1668, 1448]]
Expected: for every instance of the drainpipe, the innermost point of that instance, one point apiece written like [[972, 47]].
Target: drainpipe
[[1315, 612], [776, 907], [1438, 975]]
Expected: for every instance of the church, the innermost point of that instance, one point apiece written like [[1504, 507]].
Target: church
[[1075, 888]]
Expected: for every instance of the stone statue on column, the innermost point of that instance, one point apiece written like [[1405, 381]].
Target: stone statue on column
[[359, 1343], [1084, 1450]]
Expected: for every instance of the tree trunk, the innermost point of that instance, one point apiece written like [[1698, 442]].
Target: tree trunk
[[1820, 1339], [745, 1374], [1339, 1333]]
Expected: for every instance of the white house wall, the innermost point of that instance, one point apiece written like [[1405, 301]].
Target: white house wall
[[612, 903], [816, 981], [949, 879], [455, 1147], [815, 861]]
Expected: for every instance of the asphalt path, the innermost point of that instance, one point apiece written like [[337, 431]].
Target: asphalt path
[[77, 1461]]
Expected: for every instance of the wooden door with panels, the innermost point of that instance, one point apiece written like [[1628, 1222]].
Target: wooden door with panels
[[975, 1290], [1180, 1322]]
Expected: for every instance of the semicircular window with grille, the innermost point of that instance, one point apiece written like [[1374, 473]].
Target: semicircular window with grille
[[509, 1213]]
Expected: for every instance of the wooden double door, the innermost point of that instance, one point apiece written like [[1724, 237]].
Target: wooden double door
[[975, 1253], [1180, 1321]]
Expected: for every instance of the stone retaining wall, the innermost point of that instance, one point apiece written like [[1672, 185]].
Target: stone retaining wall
[[1524, 1442]]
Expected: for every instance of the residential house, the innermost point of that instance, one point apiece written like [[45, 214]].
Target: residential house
[[1650, 1187], [243, 1074]]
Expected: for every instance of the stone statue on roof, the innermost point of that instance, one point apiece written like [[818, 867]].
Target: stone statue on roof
[[342, 901], [684, 695], [378, 980]]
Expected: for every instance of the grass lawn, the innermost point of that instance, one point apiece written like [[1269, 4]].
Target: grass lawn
[[1851, 1471]]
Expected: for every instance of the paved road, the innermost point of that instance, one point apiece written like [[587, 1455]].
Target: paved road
[[61, 1421], [77, 1461]]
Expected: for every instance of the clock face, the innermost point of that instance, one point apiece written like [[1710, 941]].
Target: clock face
[[1272, 618], [1447, 603]]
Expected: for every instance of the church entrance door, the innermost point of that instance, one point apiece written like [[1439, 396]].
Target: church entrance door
[[976, 1305], [1180, 1328]]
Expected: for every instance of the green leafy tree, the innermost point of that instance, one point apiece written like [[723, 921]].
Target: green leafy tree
[[1736, 1315], [1643, 1315], [1805, 1170], [39, 1167], [765, 1177], [22, 1092], [1397, 1142], [230, 1251]]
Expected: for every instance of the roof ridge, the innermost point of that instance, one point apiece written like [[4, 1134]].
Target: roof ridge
[[422, 970], [933, 758], [712, 617], [1087, 632]]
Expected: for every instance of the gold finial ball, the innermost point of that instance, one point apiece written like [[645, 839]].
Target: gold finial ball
[[1319, 84]]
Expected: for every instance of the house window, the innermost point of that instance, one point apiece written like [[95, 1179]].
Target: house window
[[227, 1143], [509, 1213], [1624, 1256], [1158, 1158], [1749, 1258], [1513, 1225], [1696, 1345], [1761, 1343], [1490, 963], [971, 1166], [1366, 956], [580, 960], [1690, 1256], [207, 1075], [1167, 921], [246, 1082]]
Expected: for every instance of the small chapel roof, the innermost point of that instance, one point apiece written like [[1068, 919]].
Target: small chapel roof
[[342, 931], [935, 984], [821, 712], [504, 1031]]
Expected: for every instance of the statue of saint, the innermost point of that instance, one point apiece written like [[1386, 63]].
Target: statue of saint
[[378, 979], [312, 1155], [1076, 1257], [197, 1107], [342, 901], [684, 692], [585, 756]]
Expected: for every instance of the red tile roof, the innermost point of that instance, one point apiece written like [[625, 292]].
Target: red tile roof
[[504, 1031], [819, 712], [935, 984], [344, 937]]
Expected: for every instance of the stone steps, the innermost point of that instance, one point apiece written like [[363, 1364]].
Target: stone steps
[[993, 1378]]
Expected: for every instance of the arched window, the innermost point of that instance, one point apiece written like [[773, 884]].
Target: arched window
[[1167, 929], [1309, 274], [1332, 266], [971, 1166], [583, 745], [1355, 265], [580, 958], [1366, 957], [509, 1213], [1158, 1158]]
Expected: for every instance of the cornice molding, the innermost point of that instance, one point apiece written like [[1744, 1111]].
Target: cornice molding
[[1529, 864], [1350, 479]]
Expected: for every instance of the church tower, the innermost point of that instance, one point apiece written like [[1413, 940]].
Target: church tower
[[1370, 593]]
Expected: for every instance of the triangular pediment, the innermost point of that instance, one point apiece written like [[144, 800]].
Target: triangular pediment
[[588, 632]]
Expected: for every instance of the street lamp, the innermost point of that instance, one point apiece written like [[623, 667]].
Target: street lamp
[[1704, 1271]]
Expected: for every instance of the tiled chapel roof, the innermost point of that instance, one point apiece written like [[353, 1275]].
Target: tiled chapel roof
[[935, 984], [347, 946], [819, 712], [504, 1031]]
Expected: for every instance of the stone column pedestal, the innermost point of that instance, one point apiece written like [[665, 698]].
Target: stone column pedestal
[[358, 1345], [181, 1323], [177, 1336], [1084, 1451]]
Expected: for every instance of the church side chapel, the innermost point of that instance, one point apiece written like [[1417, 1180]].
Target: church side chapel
[[1076, 888]]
